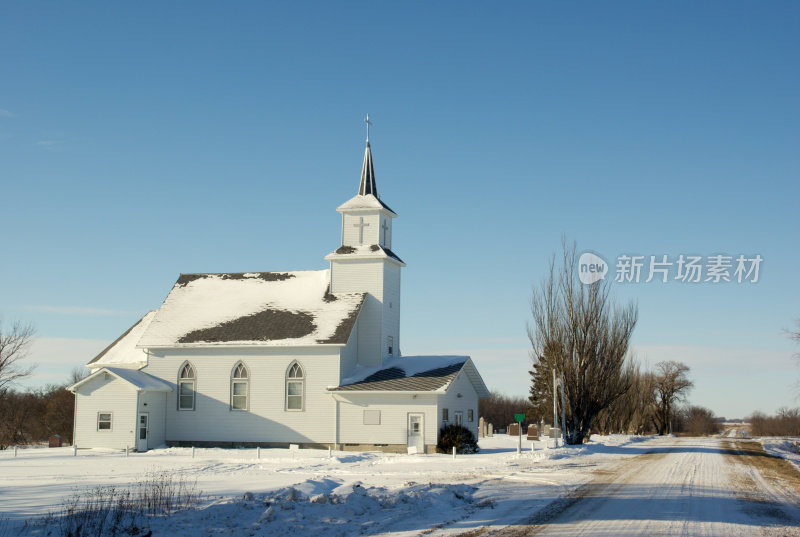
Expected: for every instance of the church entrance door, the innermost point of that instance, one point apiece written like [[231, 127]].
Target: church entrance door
[[416, 432], [142, 430]]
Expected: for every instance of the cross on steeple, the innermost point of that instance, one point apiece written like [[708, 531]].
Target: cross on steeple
[[368, 122], [361, 225]]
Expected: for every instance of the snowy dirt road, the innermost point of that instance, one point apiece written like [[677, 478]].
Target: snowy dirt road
[[686, 487]]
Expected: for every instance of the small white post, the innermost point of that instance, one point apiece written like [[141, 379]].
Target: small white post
[[74, 449], [258, 452], [330, 454], [531, 447], [15, 451], [193, 452], [454, 452], [126, 450]]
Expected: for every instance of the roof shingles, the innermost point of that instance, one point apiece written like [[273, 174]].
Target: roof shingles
[[254, 308], [395, 379]]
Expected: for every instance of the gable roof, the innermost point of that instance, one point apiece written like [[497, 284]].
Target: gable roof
[[414, 374], [253, 308], [123, 350], [139, 380]]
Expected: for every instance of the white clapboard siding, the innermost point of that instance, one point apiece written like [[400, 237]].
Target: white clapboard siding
[[349, 353], [267, 419], [469, 399], [391, 308], [358, 275], [155, 404], [394, 409], [105, 393]]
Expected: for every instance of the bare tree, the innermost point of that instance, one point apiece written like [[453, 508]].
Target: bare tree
[[577, 330], [632, 413], [77, 374], [671, 385], [14, 347]]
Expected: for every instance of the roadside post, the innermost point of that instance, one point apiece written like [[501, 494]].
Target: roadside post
[[520, 418]]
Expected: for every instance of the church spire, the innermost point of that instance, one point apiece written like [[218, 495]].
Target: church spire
[[367, 185]]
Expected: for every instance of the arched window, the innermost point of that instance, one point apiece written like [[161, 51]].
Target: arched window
[[295, 384], [186, 387], [240, 387]]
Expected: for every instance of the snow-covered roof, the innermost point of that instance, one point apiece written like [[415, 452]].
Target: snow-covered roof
[[364, 202], [413, 374], [253, 308], [362, 251], [137, 379], [123, 351]]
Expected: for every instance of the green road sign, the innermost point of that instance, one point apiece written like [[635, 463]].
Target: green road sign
[[519, 417]]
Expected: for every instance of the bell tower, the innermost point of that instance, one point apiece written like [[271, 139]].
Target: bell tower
[[365, 262]]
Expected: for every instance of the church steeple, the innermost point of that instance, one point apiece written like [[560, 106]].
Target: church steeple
[[367, 185], [366, 263]]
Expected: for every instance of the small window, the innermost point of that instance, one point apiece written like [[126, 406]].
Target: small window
[[445, 414], [390, 345], [470, 415], [240, 383], [295, 383], [459, 417], [104, 421], [372, 417], [186, 381]]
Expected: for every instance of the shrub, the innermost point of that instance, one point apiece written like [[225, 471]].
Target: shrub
[[456, 436]]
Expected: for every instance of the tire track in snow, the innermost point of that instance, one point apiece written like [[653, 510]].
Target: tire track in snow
[[687, 487]]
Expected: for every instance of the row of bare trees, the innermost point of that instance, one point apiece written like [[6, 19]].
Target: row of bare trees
[[499, 409], [579, 331], [30, 416], [786, 422]]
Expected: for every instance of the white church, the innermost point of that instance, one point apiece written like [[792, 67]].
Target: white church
[[277, 358]]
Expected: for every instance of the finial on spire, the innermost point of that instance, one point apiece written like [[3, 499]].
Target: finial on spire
[[367, 185]]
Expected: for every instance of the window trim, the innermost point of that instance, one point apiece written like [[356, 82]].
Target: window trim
[[187, 380], [445, 414], [470, 415], [301, 380], [240, 365], [110, 421]]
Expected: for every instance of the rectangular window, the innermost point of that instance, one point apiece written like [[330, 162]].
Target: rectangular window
[[104, 421], [239, 396], [470, 415], [372, 417], [459, 417], [186, 395], [390, 344], [294, 395], [445, 414]]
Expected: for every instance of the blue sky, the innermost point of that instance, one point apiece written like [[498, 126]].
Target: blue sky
[[141, 141]]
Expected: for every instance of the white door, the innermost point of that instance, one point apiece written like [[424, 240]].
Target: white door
[[416, 432], [141, 431], [459, 418]]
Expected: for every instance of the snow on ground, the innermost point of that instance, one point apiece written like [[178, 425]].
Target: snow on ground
[[786, 448], [348, 493]]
